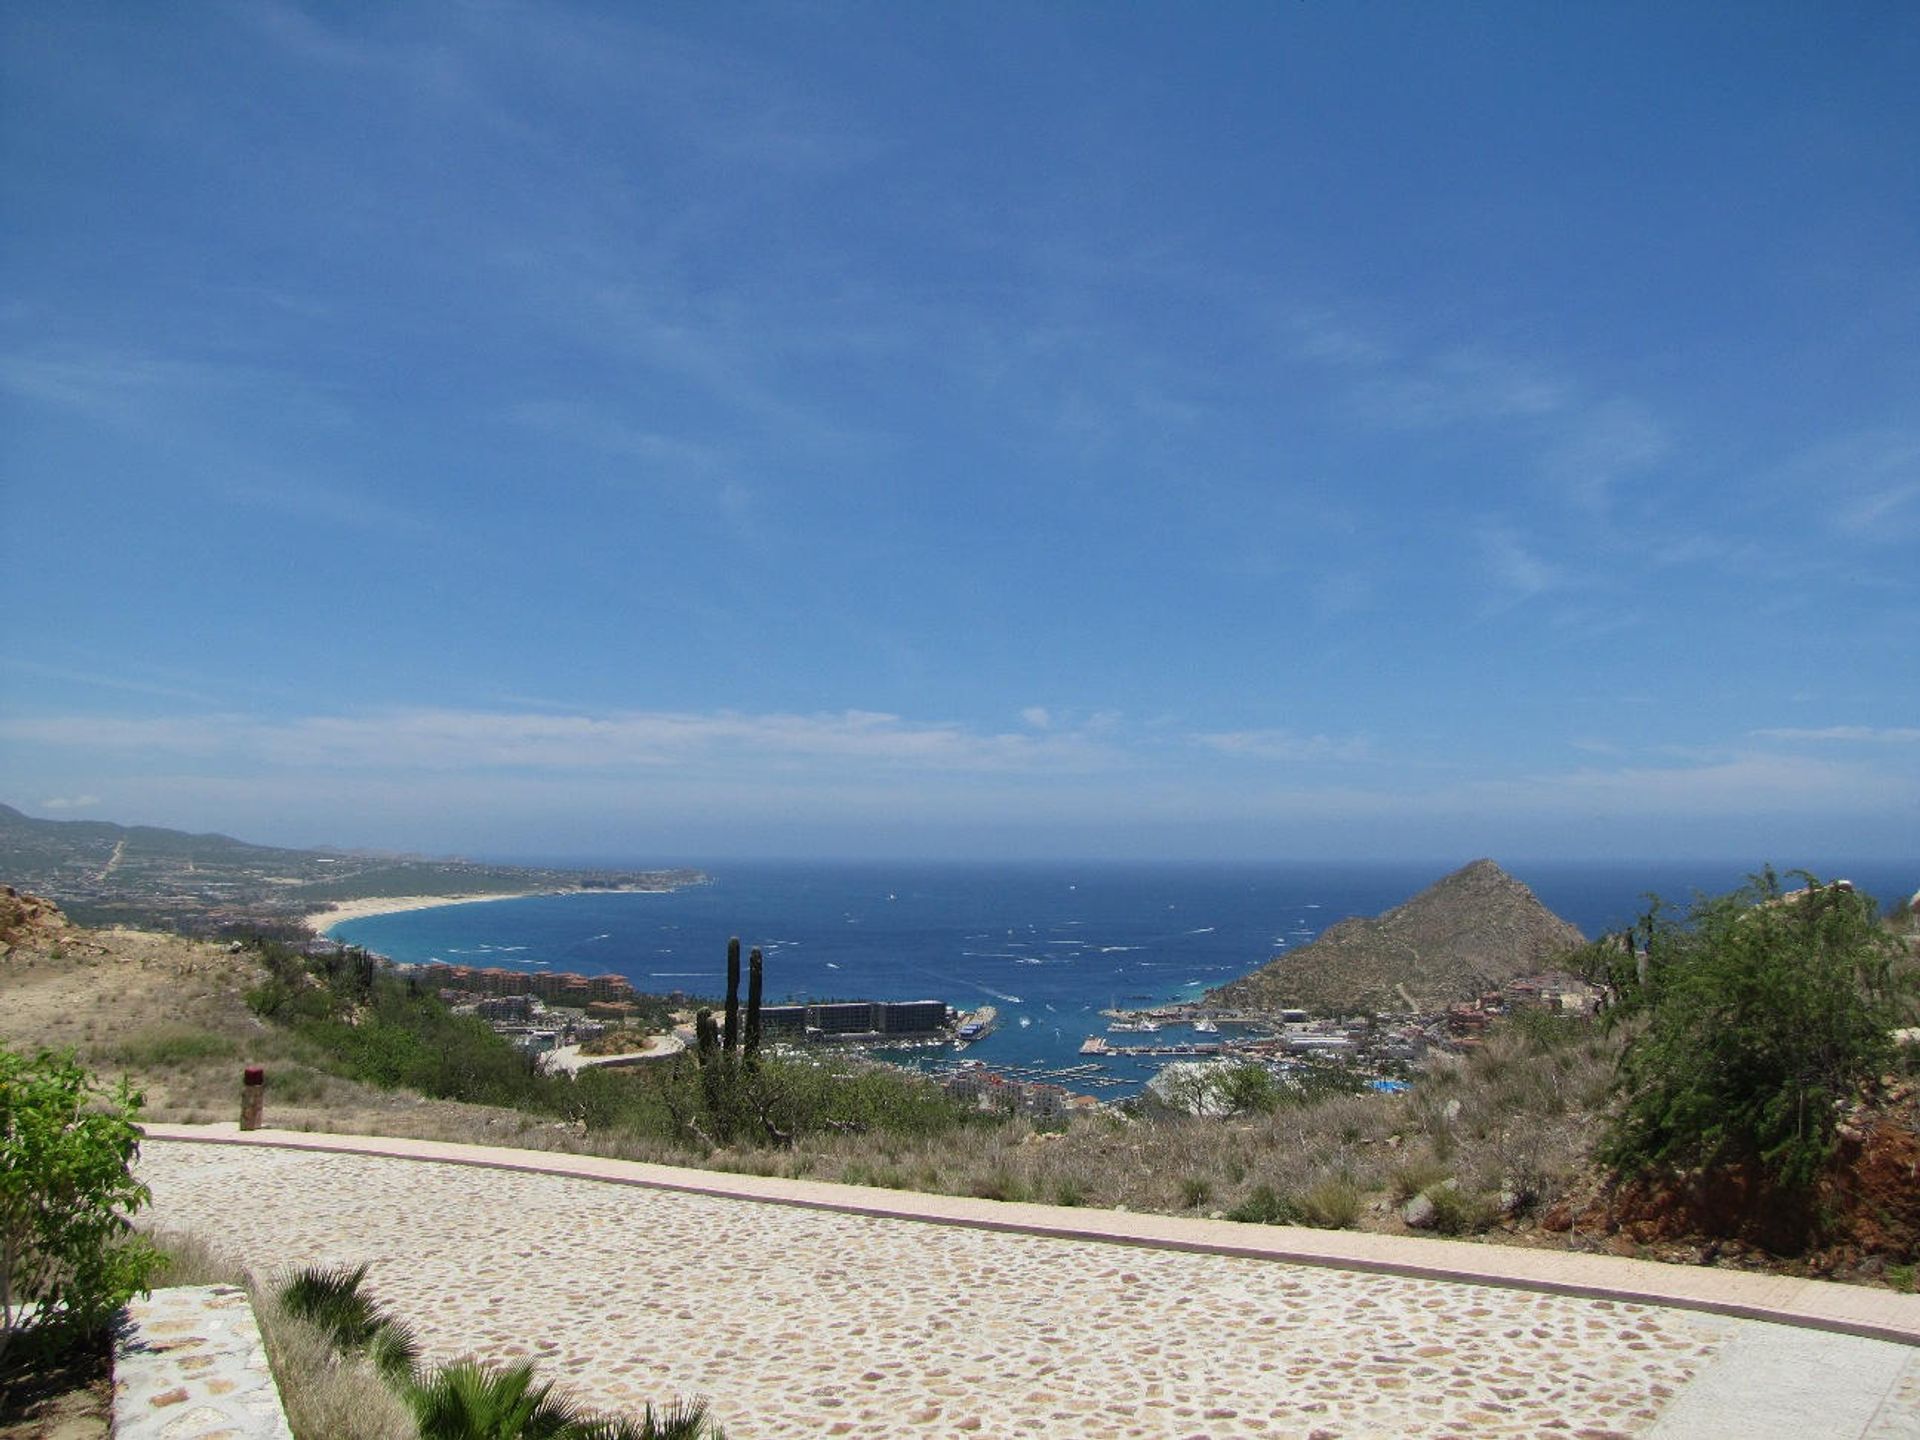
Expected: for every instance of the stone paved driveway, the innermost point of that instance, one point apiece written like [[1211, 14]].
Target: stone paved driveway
[[804, 1322]]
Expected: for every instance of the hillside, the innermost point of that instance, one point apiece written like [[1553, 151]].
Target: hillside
[[102, 873], [1469, 932]]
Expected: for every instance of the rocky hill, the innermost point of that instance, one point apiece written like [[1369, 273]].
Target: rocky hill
[[1472, 931]]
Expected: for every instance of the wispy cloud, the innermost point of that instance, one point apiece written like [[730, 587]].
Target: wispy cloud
[[1844, 734], [1284, 745], [1864, 487], [127, 684], [442, 739], [73, 802], [1513, 564], [1601, 446], [1579, 443]]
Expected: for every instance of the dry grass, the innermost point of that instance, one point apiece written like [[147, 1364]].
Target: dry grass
[[325, 1397]]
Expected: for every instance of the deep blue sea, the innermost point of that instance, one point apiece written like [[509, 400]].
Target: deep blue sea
[[1049, 945]]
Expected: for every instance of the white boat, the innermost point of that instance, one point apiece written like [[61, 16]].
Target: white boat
[[976, 1026]]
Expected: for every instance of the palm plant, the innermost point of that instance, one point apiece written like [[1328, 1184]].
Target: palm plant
[[682, 1420], [470, 1401], [330, 1300]]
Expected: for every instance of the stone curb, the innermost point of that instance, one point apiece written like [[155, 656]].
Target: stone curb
[[1780, 1299], [190, 1365]]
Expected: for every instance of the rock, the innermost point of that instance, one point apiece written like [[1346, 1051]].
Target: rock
[[23, 917], [1419, 1213]]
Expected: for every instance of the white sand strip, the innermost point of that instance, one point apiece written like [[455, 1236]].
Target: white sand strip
[[341, 911]]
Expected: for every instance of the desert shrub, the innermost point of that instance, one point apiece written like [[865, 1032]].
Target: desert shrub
[[1265, 1206], [1762, 1012], [1330, 1203], [1195, 1191], [67, 1258], [1000, 1183], [1458, 1210], [1412, 1176]]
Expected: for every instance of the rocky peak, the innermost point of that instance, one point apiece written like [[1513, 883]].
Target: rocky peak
[[1473, 930]]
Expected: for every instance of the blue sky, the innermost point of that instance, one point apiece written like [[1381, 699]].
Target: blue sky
[[1298, 429]]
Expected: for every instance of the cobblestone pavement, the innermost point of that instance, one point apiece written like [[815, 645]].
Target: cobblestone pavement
[[799, 1322]]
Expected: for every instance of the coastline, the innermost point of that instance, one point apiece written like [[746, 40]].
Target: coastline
[[340, 912]]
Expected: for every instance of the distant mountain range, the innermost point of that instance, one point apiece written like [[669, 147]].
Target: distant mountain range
[[1472, 931], [102, 873]]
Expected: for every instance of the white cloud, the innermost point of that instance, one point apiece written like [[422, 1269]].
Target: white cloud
[[1283, 745], [1037, 716], [1845, 734], [76, 802], [445, 740]]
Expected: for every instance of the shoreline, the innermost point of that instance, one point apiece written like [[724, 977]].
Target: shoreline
[[339, 912]]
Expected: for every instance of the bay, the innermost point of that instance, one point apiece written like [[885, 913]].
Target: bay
[[1049, 945]]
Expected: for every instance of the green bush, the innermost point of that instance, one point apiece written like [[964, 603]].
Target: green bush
[[67, 1258], [1331, 1203], [1763, 1012], [1459, 1211], [1265, 1206]]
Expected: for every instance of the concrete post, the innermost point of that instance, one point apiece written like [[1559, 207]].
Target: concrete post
[[253, 1096]]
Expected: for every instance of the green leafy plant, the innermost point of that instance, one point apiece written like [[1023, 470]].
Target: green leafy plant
[[1761, 1013], [470, 1401], [67, 1258], [330, 1300]]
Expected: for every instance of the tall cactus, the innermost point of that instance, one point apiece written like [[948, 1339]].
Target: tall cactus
[[754, 976], [706, 1035], [732, 1037]]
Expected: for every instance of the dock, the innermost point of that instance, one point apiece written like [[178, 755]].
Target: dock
[[1100, 1045]]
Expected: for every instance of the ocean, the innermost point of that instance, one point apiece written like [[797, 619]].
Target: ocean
[[1048, 945]]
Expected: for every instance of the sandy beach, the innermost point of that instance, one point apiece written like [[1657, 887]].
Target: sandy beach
[[341, 911]]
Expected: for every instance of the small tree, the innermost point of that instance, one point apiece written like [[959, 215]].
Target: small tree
[[1762, 1012], [67, 1145]]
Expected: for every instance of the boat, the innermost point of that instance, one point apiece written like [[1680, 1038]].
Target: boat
[[1205, 1025], [976, 1026]]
